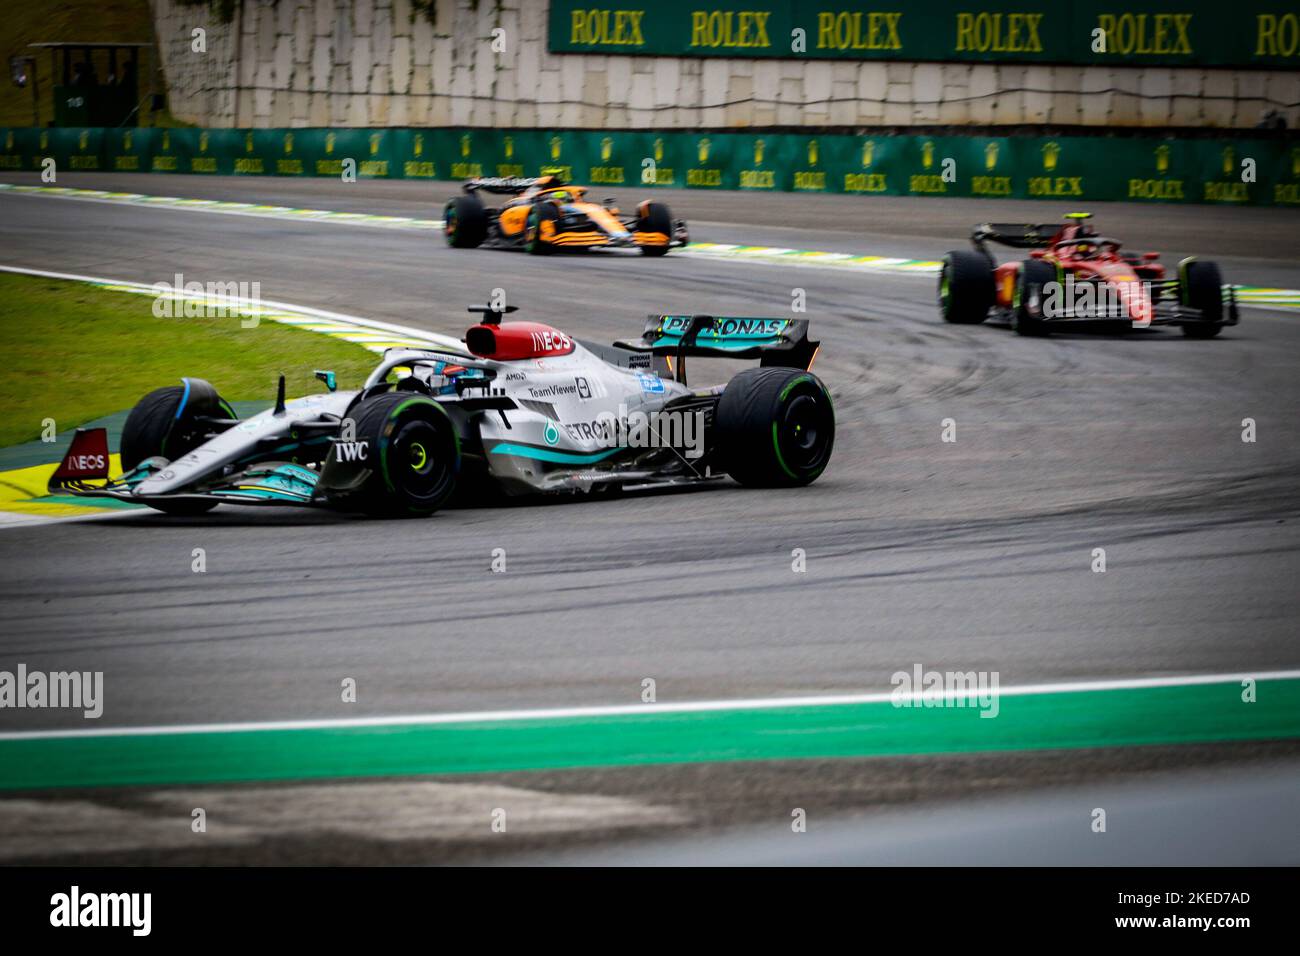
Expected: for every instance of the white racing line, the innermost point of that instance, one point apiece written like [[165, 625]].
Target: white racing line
[[628, 710], [368, 333], [224, 207], [1260, 297]]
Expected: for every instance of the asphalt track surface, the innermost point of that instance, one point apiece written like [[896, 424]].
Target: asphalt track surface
[[971, 555]]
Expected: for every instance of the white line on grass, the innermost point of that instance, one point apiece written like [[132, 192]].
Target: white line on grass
[[433, 338]]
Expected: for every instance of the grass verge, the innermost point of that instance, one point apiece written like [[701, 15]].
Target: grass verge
[[74, 353]]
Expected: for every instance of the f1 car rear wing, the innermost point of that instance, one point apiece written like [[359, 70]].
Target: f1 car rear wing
[[774, 342], [509, 185], [1016, 236]]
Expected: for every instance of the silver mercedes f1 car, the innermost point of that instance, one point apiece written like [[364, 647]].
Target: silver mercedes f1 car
[[522, 408]]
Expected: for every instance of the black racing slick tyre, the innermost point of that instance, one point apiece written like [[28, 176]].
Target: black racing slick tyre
[[965, 288], [655, 217], [163, 424], [1202, 288], [1027, 315], [413, 454], [774, 427], [533, 241], [465, 222]]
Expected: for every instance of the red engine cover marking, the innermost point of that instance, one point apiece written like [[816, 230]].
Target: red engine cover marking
[[517, 340]]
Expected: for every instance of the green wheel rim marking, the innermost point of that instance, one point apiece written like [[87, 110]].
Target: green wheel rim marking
[[780, 459], [791, 384], [383, 459], [419, 456], [776, 440], [392, 417]]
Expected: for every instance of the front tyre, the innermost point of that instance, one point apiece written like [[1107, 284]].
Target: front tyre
[[412, 452], [534, 241], [1202, 288], [165, 424], [465, 222], [966, 290], [774, 427], [655, 219]]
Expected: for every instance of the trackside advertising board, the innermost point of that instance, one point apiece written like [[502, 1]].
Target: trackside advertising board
[[1228, 169], [1255, 33]]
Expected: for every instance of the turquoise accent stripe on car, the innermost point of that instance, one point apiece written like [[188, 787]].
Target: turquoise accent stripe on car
[[728, 344], [272, 493], [545, 454], [298, 472], [185, 397]]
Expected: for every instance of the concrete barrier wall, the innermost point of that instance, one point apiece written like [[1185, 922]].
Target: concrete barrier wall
[[375, 63]]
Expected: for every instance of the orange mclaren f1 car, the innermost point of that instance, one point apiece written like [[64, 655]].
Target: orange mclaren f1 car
[[545, 214]]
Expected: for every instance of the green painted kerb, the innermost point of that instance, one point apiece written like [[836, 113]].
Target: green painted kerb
[[1070, 719]]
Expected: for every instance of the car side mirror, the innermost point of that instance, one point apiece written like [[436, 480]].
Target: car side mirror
[[330, 380]]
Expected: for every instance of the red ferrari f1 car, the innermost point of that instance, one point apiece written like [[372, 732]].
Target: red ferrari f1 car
[[1072, 275]]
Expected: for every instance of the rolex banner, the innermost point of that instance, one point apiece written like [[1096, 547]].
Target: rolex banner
[[1075, 168], [1256, 33]]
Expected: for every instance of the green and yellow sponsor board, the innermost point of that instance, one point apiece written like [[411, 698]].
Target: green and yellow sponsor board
[[71, 148], [1248, 170], [1259, 33]]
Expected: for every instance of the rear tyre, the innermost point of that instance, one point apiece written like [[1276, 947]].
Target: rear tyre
[[1027, 315], [965, 288], [162, 424], [655, 217], [465, 222], [533, 241], [774, 427], [414, 455], [1202, 288]]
